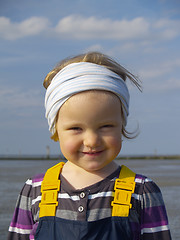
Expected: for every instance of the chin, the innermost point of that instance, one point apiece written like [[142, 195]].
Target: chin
[[92, 167]]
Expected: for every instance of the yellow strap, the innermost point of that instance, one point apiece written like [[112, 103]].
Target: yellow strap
[[124, 187], [49, 189]]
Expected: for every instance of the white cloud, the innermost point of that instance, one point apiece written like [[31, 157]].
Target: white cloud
[[88, 28], [29, 27], [93, 28], [168, 28], [78, 27]]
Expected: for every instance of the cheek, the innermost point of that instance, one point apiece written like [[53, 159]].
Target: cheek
[[115, 143], [68, 146]]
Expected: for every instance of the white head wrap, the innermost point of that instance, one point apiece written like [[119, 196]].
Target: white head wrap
[[79, 77]]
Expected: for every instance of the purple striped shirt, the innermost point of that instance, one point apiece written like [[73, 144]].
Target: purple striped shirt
[[148, 218]]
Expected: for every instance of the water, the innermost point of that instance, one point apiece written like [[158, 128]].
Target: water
[[166, 173]]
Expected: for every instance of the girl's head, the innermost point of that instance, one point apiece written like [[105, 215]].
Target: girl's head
[[89, 127], [91, 71]]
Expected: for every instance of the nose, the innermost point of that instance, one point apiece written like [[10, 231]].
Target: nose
[[91, 139]]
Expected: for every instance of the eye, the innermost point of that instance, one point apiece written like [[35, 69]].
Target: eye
[[107, 126], [75, 129]]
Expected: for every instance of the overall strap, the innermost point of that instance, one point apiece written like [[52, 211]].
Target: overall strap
[[49, 189], [124, 187]]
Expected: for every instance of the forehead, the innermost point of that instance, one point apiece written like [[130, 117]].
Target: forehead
[[94, 96], [92, 104]]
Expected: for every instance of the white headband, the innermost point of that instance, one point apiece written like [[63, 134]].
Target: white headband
[[79, 77]]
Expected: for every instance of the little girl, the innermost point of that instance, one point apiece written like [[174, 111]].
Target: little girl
[[90, 197]]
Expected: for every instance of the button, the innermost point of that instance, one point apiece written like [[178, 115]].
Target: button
[[82, 195], [80, 209]]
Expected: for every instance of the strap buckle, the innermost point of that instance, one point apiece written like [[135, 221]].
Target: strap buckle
[[49, 189], [122, 197], [52, 185], [49, 197], [123, 184]]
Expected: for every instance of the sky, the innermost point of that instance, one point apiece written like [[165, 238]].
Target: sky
[[141, 35]]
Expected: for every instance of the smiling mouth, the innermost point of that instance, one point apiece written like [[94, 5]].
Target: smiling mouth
[[93, 153]]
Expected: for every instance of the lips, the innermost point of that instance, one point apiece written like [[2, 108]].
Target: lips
[[93, 153]]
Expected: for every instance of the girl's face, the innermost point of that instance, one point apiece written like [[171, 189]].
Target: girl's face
[[89, 129]]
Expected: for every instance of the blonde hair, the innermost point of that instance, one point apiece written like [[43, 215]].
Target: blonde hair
[[100, 59]]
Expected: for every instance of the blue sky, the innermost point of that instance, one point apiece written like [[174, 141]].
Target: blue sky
[[141, 35]]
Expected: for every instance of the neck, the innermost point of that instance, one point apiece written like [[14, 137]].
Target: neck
[[80, 178]]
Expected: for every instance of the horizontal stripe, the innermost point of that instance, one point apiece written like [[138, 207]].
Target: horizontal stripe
[[21, 226], [136, 196], [70, 81], [77, 198], [155, 224], [155, 229], [66, 214], [157, 214], [142, 179], [29, 182], [25, 203], [36, 200], [146, 200], [19, 230], [147, 180], [95, 214], [67, 196], [38, 178], [100, 195], [22, 217], [139, 180], [37, 184], [92, 196]]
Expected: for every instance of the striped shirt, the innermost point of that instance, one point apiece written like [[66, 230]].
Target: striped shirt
[[148, 218]]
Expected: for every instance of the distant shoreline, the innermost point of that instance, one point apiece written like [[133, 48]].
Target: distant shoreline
[[57, 157]]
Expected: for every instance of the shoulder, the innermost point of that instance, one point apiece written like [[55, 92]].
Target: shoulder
[[148, 193], [33, 182], [30, 190], [152, 211], [31, 194], [37, 179], [36, 182], [145, 184]]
